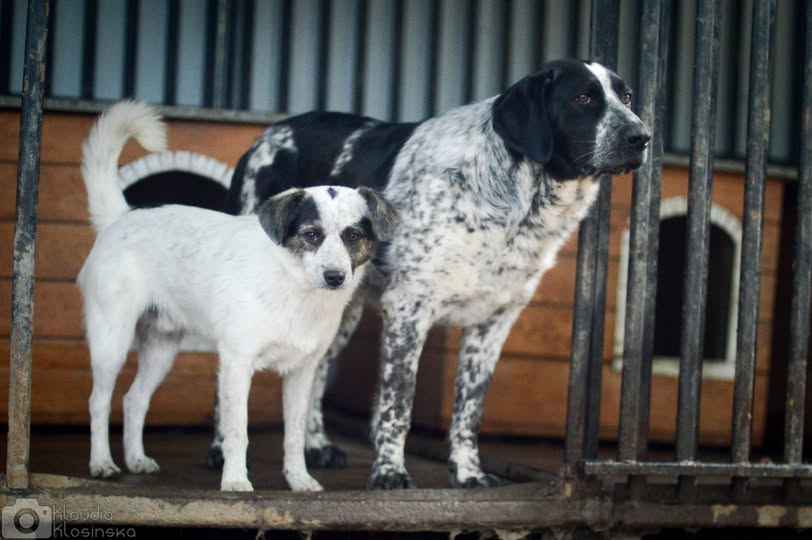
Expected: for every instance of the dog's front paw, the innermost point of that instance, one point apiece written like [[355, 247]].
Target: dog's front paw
[[104, 469], [390, 477], [326, 457], [236, 485], [302, 482], [143, 465]]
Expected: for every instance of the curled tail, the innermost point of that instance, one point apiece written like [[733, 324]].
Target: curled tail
[[102, 149]]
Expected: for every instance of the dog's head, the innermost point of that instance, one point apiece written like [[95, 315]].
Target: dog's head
[[575, 118], [331, 230]]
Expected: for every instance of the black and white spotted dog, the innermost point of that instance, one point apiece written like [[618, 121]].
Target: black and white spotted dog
[[487, 194]]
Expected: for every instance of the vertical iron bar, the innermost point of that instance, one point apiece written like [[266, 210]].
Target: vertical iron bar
[[323, 65], [395, 59], [172, 41], [583, 408], [6, 34], [131, 47], [284, 56], [219, 69], [758, 141], [471, 34], [799, 315], [89, 48], [645, 200], [435, 26], [637, 484], [507, 27], [603, 49], [699, 204], [53, 9], [537, 37], [25, 233], [243, 100], [360, 60]]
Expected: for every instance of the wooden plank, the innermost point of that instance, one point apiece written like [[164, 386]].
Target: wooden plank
[[728, 192], [61, 193], [63, 134], [62, 382], [61, 249]]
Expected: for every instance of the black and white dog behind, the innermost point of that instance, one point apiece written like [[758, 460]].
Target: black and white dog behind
[[268, 289], [487, 195]]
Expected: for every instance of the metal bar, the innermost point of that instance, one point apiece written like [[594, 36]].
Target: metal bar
[[49, 48], [658, 157], [634, 404], [507, 28], [800, 312], [470, 51], [247, 44], [172, 43], [395, 60], [603, 48], [435, 25], [6, 34], [131, 47], [323, 65], [360, 59], [89, 48], [219, 84], [674, 469], [537, 37], [583, 407], [698, 233], [25, 233], [758, 141], [284, 56]]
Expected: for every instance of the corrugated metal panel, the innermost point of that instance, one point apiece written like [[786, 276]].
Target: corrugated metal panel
[[418, 57]]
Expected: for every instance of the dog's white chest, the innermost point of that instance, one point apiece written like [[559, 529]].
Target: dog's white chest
[[494, 269]]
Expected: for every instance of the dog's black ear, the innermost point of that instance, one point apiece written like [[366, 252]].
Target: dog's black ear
[[277, 214], [521, 117], [383, 215]]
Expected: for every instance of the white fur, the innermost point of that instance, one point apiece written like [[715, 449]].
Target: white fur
[[154, 274]]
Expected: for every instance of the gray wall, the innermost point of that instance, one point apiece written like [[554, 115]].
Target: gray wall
[[477, 46]]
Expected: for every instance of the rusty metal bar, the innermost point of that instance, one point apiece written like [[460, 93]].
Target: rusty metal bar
[[758, 140], [25, 232], [634, 403], [698, 235], [799, 317], [603, 47], [583, 407], [693, 469]]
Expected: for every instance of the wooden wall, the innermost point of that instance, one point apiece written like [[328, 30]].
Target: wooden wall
[[528, 395], [61, 379]]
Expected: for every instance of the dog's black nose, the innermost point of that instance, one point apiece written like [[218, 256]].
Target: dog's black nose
[[334, 278], [638, 138]]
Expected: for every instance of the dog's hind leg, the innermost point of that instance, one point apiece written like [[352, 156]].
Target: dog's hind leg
[[156, 354], [109, 337], [320, 453], [479, 352]]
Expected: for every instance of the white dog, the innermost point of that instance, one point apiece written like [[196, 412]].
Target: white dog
[[268, 289]]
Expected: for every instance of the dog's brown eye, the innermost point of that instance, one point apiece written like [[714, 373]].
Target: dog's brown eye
[[353, 235], [583, 99], [312, 235], [626, 99]]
